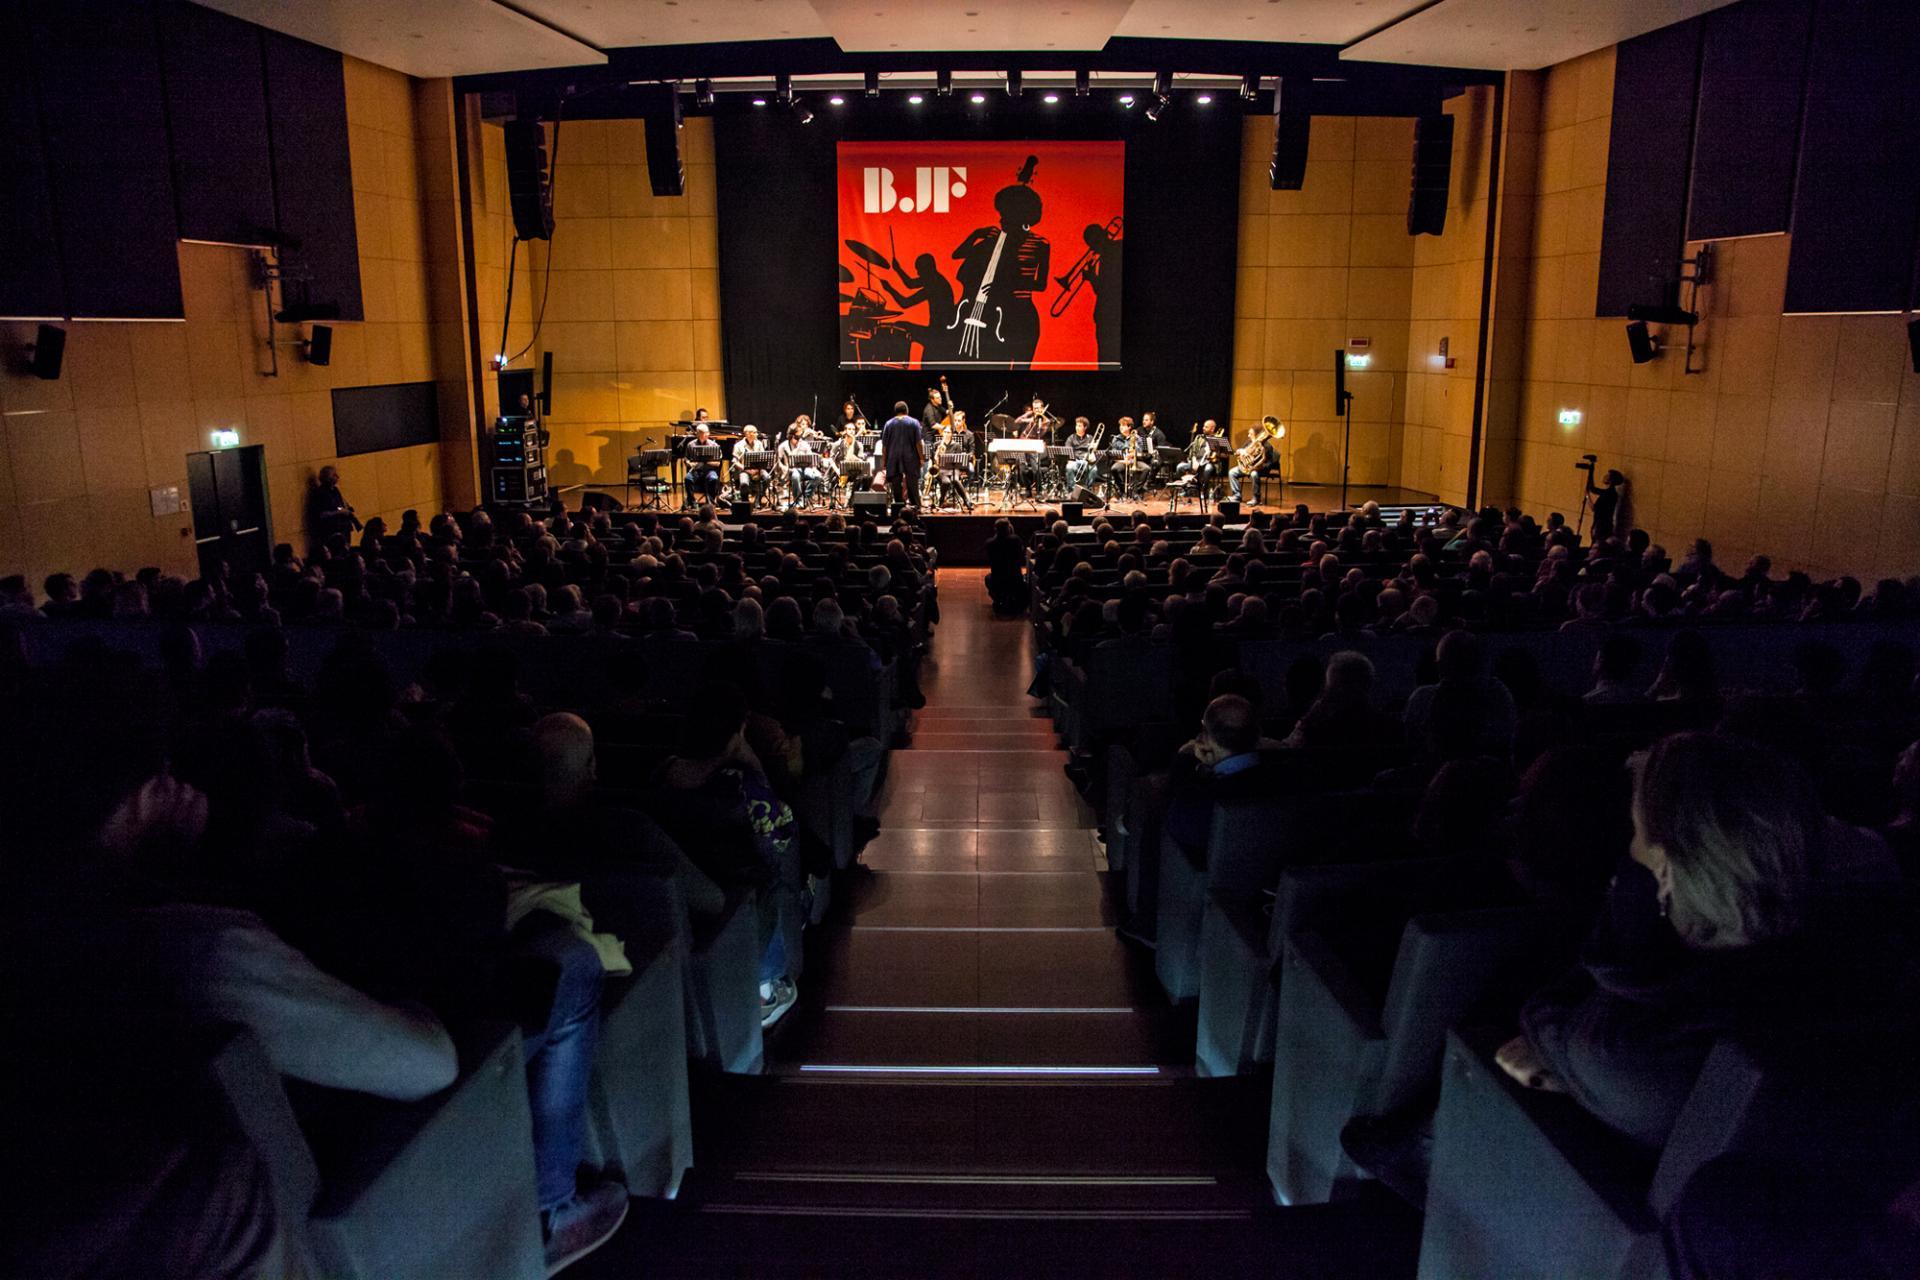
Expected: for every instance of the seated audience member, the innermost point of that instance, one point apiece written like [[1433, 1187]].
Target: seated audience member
[[1614, 666], [1727, 835], [1006, 569], [1686, 676], [1745, 1216], [1462, 662], [723, 811], [1221, 763], [1343, 715]]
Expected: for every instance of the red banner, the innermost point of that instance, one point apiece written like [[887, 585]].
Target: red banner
[[980, 254]]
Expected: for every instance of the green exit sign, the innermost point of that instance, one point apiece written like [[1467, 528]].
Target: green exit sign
[[1569, 417]]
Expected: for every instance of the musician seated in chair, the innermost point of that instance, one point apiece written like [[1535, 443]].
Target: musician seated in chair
[[1132, 458], [750, 475], [802, 466], [1201, 466], [955, 442], [1258, 456], [1156, 440], [703, 464], [1082, 467]]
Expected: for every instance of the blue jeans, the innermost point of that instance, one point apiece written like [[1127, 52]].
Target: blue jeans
[[560, 1057], [1236, 477], [773, 961]]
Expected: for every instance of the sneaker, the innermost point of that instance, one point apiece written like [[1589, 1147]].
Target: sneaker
[[776, 998], [583, 1223]]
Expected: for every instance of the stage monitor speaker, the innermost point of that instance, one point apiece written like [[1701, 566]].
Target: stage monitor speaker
[[529, 189], [1228, 508], [320, 344], [1072, 512], [1432, 175], [49, 349], [1292, 122], [1640, 342], [665, 171], [739, 512], [592, 501], [870, 503], [1913, 342], [1087, 498], [546, 384]]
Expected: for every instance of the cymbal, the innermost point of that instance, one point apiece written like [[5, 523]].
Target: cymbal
[[846, 273], [867, 253]]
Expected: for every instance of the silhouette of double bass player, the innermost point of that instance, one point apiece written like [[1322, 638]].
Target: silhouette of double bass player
[[1001, 268]]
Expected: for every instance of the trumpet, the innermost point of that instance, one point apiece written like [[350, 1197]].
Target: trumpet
[[1076, 275]]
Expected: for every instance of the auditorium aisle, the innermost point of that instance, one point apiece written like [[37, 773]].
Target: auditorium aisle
[[981, 1079]]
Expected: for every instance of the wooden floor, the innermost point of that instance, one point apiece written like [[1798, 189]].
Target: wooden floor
[[981, 1079]]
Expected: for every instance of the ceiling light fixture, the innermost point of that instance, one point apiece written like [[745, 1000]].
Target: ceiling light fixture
[[1155, 107], [873, 84], [1204, 99], [783, 89], [759, 102], [1249, 88], [1082, 83], [1013, 83], [1126, 99], [1163, 84], [703, 93], [976, 98], [943, 82], [915, 99], [1051, 98], [802, 112], [837, 100]]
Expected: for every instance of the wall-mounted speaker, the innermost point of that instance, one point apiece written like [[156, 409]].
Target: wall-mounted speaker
[[320, 344], [529, 184], [49, 349], [1640, 342], [1432, 175], [665, 171], [1292, 123]]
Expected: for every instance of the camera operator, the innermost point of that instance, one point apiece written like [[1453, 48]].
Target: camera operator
[[1606, 498]]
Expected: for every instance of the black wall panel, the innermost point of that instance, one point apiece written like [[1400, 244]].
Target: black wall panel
[[30, 283], [1654, 91], [1753, 61], [217, 119], [104, 116], [1857, 196], [312, 175]]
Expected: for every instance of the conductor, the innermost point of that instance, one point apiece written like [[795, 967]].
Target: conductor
[[903, 454]]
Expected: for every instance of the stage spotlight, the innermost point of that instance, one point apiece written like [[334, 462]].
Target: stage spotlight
[[802, 112], [1204, 99], [759, 102], [1662, 313], [1013, 84], [1082, 83], [1155, 107], [1051, 98], [783, 89], [943, 82], [1249, 88], [976, 98], [873, 84], [837, 100], [703, 93], [915, 99], [1163, 84], [1126, 99]]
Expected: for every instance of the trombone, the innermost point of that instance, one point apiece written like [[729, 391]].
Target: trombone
[[1076, 275]]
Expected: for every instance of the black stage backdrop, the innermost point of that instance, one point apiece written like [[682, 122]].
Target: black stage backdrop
[[779, 247]]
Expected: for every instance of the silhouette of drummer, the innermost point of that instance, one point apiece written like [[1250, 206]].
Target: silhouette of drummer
[[925, 284], [1001, 268]]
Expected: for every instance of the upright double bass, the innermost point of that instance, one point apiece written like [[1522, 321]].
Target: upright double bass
[[1001, 268]]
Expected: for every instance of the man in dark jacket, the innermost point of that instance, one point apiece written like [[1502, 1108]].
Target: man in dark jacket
[[902, 454]]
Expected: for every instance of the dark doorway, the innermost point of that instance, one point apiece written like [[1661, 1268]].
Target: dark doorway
[[231, 522]]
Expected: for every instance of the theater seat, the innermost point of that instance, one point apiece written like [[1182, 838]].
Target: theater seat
[[397, 1190], [1344, 1048]]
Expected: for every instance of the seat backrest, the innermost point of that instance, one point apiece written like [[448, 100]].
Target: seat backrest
[[1454, 967]]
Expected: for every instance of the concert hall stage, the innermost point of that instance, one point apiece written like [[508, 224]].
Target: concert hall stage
[[962, 538]]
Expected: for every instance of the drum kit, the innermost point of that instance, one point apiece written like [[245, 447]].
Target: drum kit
[[870, 320]]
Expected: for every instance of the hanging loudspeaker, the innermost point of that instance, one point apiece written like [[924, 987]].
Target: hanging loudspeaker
[[1292, 121], [320, 344], [528, 188], [1432, 174], [664, 169]]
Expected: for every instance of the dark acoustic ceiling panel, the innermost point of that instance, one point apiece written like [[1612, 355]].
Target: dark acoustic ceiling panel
[[1857, 195], [104, 120], [1644, 236], [312, 175], [30, 283], [217, 120], [1753, 62]]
